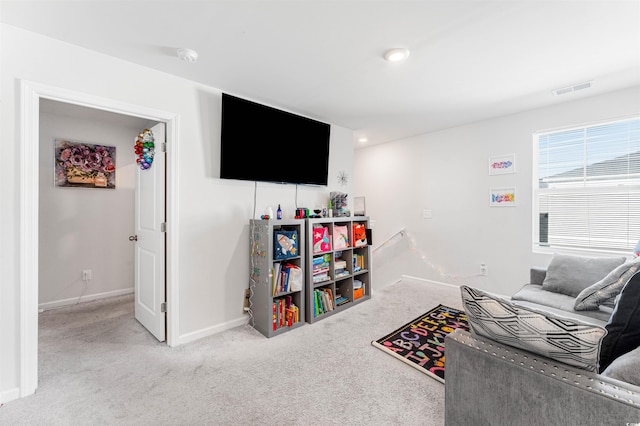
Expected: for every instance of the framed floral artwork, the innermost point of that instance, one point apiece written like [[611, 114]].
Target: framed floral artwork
[[82, 164]]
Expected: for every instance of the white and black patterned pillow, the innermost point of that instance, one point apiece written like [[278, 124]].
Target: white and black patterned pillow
[[565, 340], [605, 291]]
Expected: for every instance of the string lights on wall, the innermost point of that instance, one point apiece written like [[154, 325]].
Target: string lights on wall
[[403, 233]]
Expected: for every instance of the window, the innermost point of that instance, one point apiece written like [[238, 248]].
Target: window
[[587, 187]]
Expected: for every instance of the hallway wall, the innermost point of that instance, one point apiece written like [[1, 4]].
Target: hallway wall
[[86, 228]]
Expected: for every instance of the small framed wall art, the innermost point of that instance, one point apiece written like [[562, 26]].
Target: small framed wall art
[[79, 164], [502, 197], [502, 164]]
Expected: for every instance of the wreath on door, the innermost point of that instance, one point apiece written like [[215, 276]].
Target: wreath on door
[[144, 149]]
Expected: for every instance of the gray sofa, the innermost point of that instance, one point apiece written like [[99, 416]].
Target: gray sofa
[[534, 295], [492, 384], [489, 382]]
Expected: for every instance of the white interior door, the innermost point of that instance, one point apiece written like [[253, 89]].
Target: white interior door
[[150, 229]]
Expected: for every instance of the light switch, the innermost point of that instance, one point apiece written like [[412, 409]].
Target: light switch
[[426, 214]]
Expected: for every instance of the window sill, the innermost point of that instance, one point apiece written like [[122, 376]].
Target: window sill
[[582, 252]]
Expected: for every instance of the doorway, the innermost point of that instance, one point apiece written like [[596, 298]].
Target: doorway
[[31, 94], [83, 229]]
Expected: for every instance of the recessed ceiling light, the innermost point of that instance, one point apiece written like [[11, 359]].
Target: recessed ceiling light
[[396, 54], [363, 139], [187, 55]]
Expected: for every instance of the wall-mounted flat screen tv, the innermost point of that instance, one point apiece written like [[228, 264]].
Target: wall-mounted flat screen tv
[[261, 143]]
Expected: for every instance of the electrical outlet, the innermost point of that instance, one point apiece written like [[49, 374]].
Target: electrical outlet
[[86, 274], [484, 271], [247, 295]]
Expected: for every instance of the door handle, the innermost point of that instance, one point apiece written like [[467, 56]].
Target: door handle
[[133, 238]]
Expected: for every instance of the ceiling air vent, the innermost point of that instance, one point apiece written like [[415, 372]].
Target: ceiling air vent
[[574, 88]]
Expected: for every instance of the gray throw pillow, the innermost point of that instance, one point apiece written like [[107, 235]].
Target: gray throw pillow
[[568, 274], [563, 339], [626, 368], [605, 291]]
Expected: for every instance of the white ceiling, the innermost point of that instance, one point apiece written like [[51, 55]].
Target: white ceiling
[[470, 59]]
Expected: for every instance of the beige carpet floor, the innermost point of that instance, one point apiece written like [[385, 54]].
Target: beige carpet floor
[[98, 366]]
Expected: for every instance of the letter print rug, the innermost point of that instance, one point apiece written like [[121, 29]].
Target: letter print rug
[[420, 343]]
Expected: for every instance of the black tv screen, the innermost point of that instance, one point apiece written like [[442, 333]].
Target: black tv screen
[[261, 143]]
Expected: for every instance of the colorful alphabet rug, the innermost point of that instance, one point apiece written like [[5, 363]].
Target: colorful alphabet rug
[[420, 343]]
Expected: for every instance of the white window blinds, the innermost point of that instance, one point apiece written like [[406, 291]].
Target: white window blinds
[[587, 193]]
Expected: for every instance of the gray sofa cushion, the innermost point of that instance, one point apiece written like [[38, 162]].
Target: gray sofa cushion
[[560, 338], [568, 274], [605, 291], [535, 295], [625, 368]]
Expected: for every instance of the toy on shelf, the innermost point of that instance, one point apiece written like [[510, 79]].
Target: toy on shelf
[[338, 204]]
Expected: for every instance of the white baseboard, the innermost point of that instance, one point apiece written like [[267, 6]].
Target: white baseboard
[[9, 395], [87, 298], [424, 280], [210, 331]]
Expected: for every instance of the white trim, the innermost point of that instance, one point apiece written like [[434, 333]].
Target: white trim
[[31, 93], [29, 240], [210, 331], [537, 133], [9, 395], [424, 280], [171, 200], [88, 298]]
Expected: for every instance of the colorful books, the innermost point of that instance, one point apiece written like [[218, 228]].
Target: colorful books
[[323, 301], [341, 300], [285, 312], [321, 266], [286, 277], [358, 262]]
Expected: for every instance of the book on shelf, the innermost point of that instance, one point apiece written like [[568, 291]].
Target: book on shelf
[[275, 315], [323, 269], [323, 301], [321, 278], [281, 312], [285, 312], [341, 300], [275, 278], [358, 262], [285, 278], [316, 304], [325, 258], [340, 268], [341, 273]]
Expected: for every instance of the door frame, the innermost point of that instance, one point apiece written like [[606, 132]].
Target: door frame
[[30, 95]]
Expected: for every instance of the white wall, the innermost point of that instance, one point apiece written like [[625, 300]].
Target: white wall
[[213, 234], [447, 172], [82, 228]]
